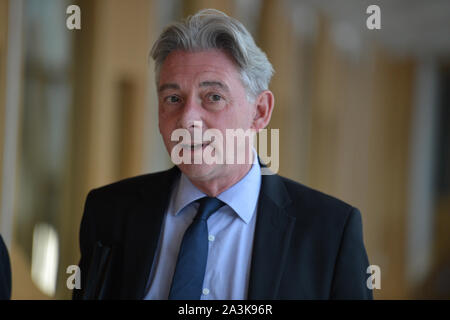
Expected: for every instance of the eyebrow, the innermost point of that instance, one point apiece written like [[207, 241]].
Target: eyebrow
[[214, 84], [166, 86], [175, 86]]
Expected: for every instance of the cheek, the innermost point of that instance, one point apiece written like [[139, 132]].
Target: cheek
[[161, 122], [243, 116], [162, 114], [165, 127]]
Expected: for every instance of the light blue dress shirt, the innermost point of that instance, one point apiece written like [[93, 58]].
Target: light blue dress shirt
[[230, 229]]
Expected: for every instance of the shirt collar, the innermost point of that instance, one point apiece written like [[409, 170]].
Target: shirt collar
[[242, 197]]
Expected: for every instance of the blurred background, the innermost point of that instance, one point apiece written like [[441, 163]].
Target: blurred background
[[364, 115]]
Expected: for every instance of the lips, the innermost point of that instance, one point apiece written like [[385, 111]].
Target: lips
[[196, 146]]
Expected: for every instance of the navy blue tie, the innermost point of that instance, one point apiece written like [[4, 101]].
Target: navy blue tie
[[187, 280]]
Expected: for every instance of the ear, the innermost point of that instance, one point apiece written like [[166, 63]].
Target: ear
[[264, 107]]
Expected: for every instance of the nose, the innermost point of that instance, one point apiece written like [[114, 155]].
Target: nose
[[191, 113]]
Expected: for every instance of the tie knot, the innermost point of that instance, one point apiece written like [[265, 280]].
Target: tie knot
[[208, 205]]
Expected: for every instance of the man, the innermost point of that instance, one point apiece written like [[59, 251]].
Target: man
[[218, 230], [5, 272]]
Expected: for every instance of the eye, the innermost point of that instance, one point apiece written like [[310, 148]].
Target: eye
[[214, 97], [172, 99]]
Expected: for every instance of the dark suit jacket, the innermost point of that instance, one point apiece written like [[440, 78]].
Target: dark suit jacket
[[307, 245], [5, 272]]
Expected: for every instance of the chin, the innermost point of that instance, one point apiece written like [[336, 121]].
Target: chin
[[200, 172]]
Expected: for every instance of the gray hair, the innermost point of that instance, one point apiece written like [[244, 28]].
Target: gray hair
[[213, 29]]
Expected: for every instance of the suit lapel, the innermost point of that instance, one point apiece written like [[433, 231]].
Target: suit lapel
[[271, 241], [143, 227]]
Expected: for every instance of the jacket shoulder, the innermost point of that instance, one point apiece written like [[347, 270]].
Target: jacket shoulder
[[309, 201], [132, 185], [312, 196], [107, 208]]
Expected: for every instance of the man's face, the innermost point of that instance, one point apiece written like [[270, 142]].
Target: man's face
[[204, 87]]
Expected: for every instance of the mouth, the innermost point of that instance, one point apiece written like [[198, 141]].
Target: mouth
[[196, 146]]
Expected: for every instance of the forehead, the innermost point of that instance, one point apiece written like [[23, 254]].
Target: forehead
[[189, 66]]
